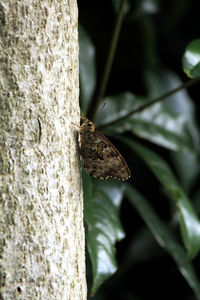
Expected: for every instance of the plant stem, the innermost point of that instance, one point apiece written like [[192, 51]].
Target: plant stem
[[109, 60], [159, 99]]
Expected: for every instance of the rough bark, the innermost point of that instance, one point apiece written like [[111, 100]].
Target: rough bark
[[41, 210]]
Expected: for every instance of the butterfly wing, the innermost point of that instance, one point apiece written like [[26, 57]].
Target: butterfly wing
[[101, 159]]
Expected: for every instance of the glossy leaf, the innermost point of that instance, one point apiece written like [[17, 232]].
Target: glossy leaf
[[119, 106], [191, 59], [161, 81], [187, 167], [102, 202], [87, 69], [188, 219], [156, 123], [180, 104], [164, 237]]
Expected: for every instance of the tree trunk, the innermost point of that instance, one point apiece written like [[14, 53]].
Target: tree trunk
[[41, 213]]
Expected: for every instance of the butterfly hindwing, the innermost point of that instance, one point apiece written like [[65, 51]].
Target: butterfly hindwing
[[101, 159]]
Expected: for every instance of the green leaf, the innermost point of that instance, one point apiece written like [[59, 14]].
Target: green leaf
[[87, 69], [159, 82], [157, 123], [187, 167], [188, 219], [164, 237], [191, 59], [119, 106], [101, 206]]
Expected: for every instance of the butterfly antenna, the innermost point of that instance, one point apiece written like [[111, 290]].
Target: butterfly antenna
[[84, 118]]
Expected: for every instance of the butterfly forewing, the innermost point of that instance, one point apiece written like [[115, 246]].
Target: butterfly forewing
[[101, 159]]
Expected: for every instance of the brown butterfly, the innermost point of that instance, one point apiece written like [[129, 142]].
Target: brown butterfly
[[101, 159]]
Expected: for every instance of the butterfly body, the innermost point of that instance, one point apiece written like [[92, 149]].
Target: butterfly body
[[101, 159]]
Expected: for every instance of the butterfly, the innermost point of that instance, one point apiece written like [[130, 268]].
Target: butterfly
[[101, 159]]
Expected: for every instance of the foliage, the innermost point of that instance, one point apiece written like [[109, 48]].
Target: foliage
[[157, 130]]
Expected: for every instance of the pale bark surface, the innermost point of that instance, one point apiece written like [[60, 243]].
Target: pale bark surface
[[41, 206]]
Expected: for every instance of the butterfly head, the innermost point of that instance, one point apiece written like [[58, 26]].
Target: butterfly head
[[87, 126]]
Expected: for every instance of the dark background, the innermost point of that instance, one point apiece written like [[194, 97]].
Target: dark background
[[176, 24], [145, 270]]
